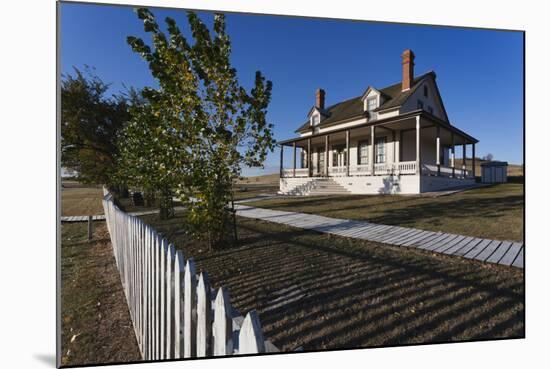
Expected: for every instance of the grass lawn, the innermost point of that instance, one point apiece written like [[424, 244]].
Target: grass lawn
[[79, 199], [95, 321], [492, 212], [322, 292]]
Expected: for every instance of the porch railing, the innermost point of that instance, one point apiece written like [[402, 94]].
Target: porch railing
[[429, 169], [399, 168]]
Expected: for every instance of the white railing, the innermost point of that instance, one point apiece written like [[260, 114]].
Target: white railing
[[399, 168], [300, 172], [175, 313], [337, 171], [362, 169], [430, 169], [406, 167]]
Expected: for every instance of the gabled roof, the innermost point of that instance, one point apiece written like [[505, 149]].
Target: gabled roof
[[353, 108]]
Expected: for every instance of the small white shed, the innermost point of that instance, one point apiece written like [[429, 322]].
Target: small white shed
[[494, 172]]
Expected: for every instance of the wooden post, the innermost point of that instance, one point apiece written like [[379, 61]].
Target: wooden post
[[464, 158], [90, 227], [222, 329], [326, 154], [189, 311], [438, 150], [281, 163], [394, 149], [474, 160], [204, 317], [294, 159], [400, 146], [251, 339], [453, 153], [372, 133], [418, 151], [309, 157], [347, 153]]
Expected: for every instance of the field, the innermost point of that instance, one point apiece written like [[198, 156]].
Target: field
[[514, 170], [494, 212], [320, 292], [95, 323], [79, 199], [250, 187]]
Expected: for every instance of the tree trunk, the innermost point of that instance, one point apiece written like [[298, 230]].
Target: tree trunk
[[166, 204]]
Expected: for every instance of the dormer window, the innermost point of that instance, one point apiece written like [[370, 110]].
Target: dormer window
[[371, 103], [314, 120]]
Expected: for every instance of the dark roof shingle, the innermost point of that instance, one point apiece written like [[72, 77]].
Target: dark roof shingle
[[353, 107]]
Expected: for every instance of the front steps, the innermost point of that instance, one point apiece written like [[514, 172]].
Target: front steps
[[318, 187]]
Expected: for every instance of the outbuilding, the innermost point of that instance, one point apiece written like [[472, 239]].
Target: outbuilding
[[494, 172]]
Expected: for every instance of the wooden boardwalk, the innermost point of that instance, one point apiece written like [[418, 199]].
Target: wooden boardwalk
[[506, 253], [84, 218]]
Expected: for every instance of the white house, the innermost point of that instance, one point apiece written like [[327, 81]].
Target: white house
[[396, 139]]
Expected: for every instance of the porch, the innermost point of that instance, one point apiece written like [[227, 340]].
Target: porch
[[418, 144]]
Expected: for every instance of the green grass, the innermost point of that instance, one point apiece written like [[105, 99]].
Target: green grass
[[344, 293], [95, 323], [494, 212]]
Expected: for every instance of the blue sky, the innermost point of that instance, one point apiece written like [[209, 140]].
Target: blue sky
[[479, 72]]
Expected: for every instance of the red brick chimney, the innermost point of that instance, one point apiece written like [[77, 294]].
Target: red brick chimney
[[320, 98], [408, 69]]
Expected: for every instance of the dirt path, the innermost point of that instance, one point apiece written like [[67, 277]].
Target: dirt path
[[96, 325]]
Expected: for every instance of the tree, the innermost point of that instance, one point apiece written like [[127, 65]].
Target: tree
[[488, 157], [89, 125], [215, 126]]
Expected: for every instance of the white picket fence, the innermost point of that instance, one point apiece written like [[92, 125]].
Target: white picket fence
[[174, 312]]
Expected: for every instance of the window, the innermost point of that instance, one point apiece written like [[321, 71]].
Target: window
[[425, 91], [371, 103], [381, 150], [363, 153], [303, 155], [314, 120], [420, 105], [431, 110]]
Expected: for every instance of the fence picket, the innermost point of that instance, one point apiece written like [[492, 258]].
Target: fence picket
[[189, 310], [179, 272], [223, 324], [251, 338], [170, 274], [204, 316]]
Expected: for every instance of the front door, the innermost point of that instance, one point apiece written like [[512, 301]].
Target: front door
[[320, 161], [339, 156]]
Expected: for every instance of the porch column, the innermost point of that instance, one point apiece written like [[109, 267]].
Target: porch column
[[326, 155], [437, 150], [418, 152], [309, 157], [294, 159], [400, 145], [474, 160], [463, 158], [394, 152], [347, 153], [281, 162], [453, 153], [371, 150]]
